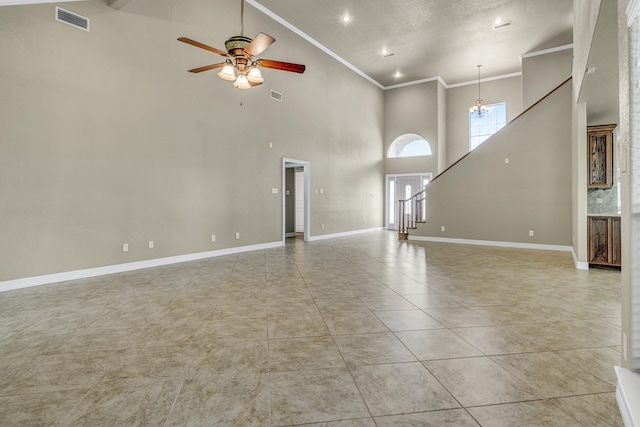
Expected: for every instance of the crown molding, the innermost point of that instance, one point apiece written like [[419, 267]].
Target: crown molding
[[487, 79], [311, 40], [23, 2], [546, 51]]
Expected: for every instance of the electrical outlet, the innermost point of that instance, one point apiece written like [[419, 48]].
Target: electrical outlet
[[213, 237], [530, 233], [237, 235], [506, 160], [323, 226], [442, 228], [151, 244], [125, 247]]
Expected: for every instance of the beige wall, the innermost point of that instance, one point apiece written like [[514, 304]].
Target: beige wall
[[106, 139], [585, 16], [412, 109], [482, 198], [460, 99], [542, 73]]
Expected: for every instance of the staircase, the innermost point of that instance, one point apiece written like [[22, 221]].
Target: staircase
[[411, 212], [534, 140]]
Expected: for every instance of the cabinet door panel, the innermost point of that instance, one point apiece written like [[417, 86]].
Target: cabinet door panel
[[599, 240], [600, 156], [616, 243]]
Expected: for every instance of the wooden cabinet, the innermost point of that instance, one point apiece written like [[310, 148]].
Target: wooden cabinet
[[600, 156], [604, 240]]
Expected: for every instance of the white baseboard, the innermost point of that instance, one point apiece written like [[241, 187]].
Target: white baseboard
[[517, 245], [291, 234], [628, 396], [345, 234], [119, 268], [579, 265]]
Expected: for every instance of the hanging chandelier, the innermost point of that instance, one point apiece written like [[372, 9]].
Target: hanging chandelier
[[479, 110]]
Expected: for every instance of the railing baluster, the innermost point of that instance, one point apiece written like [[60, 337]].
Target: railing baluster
[[410, 212]]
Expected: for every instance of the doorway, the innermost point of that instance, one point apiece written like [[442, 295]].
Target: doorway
[[295, 198], [402, 187]]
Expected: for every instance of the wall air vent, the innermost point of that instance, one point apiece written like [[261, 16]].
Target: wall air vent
[[275, 95], [72, 19]]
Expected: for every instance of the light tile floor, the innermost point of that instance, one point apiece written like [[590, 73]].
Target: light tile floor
[[356, 331]]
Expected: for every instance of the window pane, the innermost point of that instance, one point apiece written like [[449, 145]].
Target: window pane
[[409, 145], [481, 128]]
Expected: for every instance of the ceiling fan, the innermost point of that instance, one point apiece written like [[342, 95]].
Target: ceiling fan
[[241, 65]]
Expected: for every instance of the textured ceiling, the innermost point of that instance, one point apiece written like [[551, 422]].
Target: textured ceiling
[[430, 38]]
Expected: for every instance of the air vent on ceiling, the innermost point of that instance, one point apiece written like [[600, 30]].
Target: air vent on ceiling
[[502, 25], [275, 95], [72, 19]]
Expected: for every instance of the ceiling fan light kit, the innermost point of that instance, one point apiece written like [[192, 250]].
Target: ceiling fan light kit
[[241, 67], [228, 73]]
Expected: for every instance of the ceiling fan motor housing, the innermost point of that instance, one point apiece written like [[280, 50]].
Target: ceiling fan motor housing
[[235, 45]]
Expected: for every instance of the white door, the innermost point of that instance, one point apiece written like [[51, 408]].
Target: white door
[[402, 187], [299, 201]]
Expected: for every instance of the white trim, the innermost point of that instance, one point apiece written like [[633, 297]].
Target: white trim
[[546, 51], [579, 264], [346, 233], [119, 268], [628, 396], [516, 245], [307, 195], [308, 38], [290, 234], [417, 82], [23, 2], [632, 11], [488, 79], [395, 175]]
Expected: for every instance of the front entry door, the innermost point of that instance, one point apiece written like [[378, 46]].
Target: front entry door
[[402, 187]]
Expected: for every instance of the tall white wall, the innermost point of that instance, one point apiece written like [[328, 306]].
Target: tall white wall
[[106, 139]]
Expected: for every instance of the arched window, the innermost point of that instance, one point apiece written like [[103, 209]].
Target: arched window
[[409, 145]]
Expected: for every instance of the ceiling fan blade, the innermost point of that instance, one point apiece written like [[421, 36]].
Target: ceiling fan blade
[[202, 46], [284, 66], [259, 44], [207, 68]]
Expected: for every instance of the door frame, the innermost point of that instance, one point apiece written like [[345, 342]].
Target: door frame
[[386, 191], [289, 163]]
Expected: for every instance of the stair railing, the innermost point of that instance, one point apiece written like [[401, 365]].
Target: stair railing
[[411, 211]]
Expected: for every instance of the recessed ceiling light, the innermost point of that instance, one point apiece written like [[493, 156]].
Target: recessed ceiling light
[[498, 21], [346, 18], [397, 74]]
